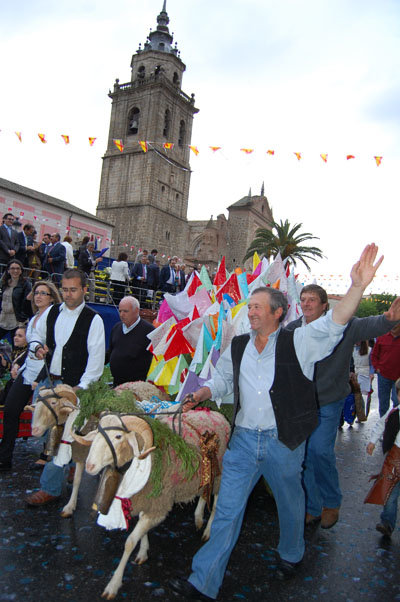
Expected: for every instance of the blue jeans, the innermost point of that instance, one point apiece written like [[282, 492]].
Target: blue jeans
[[251, 454], [389, 513], [52, 477], [385, 386], [320, 478]]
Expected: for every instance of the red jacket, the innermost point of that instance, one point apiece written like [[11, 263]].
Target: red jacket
[[385, 356]]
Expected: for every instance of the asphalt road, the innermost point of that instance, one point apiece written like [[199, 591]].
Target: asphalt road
[[45, 557]]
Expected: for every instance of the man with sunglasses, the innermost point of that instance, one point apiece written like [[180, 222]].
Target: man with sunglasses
[[74, 354]]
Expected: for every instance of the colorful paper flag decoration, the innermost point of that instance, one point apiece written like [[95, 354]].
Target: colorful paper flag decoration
[[119, 144], [298, 155], [143, 145], [194, 149], [19, 136], [91, 140], [65, 138], [248, 151], [220, 276], [270, 152], [168, 145], [324, 157], [256, 260], [42, 138], [350, 157], [378, 160], [215, 148]]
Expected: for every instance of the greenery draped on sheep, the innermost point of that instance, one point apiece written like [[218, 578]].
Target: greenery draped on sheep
[[98, 397]]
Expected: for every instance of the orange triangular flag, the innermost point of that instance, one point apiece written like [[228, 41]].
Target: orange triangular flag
[[270, 152], [378, 160], [298, 155], [91, 141], [215, 148], [350, 157], [119, 144], [42, 138], [143, 145], [324, 157], [194, 149], [168, 145], [248, 151], [19, 136], [65, 138]]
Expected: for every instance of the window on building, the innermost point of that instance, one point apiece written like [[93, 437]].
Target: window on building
[[133, 121], [167, 123], [141, 72], [175, 79], [182, 133]]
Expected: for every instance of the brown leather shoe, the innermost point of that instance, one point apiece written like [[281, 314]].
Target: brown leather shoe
[[329, 517], [41, 498], [312, 520]]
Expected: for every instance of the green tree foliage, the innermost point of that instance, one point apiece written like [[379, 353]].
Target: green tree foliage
[[375, 305], [286, 240]]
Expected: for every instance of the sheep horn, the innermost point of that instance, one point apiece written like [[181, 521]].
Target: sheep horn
[[29, 408], [140, 426], [67, 392]]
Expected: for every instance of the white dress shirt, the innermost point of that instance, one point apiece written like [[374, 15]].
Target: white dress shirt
[[64, 326], [257, 370], [69, 254], [119, 271]]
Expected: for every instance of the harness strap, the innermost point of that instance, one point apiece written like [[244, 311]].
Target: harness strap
[[102, 430]]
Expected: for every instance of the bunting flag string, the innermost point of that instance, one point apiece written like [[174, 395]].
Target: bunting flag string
[[119, 144], [170, 146]]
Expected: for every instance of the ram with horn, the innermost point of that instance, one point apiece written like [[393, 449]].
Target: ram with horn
[[147, 468], [55, 412]]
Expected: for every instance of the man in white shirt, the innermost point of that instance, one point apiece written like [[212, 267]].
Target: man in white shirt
[[270, 373], [74, 352]]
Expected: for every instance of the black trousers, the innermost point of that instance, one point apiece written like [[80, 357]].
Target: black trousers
[[17, 398]]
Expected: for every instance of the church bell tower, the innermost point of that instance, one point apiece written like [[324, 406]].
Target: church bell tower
[[145, 194]]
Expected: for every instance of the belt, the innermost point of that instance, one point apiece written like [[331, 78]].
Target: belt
[[56, 376]]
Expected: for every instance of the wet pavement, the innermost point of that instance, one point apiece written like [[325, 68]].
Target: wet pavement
[[43, 556]]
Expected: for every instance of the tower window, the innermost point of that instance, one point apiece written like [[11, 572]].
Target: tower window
[[175, 79], [142, 72], [167, 122], [182, 133], [133, 121]]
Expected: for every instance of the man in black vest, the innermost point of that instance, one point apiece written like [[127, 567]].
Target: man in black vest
[[129, 360], [270, 373], [74, 352]]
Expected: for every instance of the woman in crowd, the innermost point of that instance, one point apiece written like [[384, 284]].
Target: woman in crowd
[[11, 361], [15, 307], [34, 259], [119, 277], [69, 252], [44, 294]]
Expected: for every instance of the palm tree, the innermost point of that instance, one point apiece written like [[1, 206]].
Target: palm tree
[[284, 239]]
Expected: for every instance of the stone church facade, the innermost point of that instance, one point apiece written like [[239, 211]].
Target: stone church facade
[[145, 194]]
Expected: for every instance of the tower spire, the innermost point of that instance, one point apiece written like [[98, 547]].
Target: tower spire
[[160, 39]]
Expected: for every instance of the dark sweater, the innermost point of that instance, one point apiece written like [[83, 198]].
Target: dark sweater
[[129, 360], [332, 373]]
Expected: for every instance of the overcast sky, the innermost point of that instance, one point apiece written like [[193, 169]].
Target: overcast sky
[[309, 76]]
